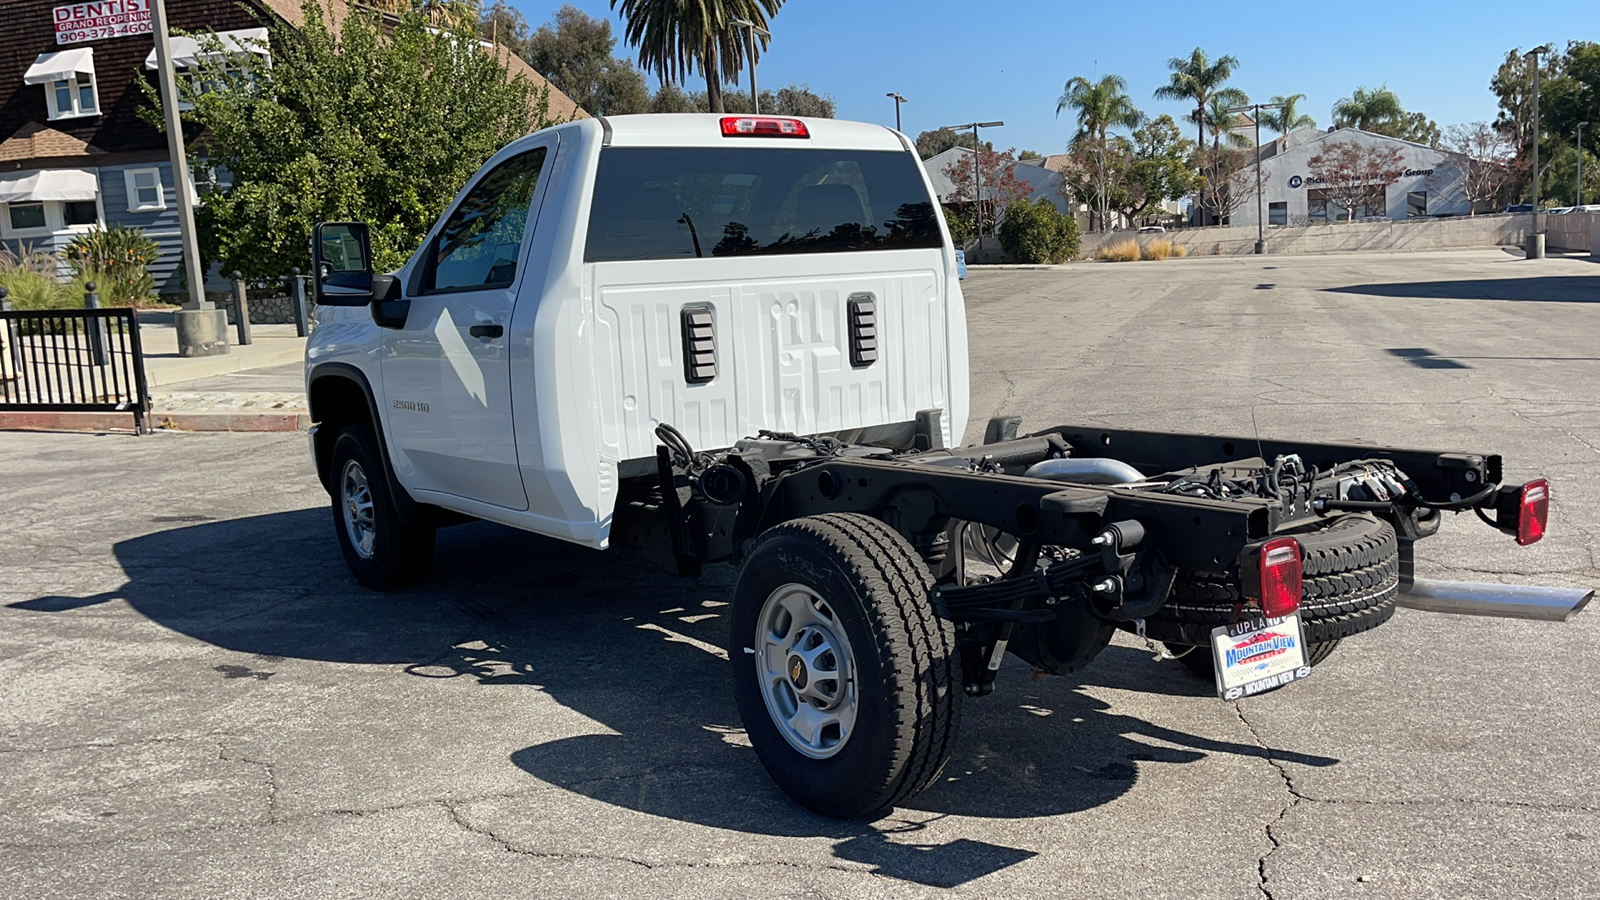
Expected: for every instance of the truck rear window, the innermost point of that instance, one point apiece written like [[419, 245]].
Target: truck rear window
[[682, 202]]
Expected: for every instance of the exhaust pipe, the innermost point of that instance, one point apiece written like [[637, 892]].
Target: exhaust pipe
[[1508, 601]]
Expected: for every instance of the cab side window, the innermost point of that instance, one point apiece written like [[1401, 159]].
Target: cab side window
[[480, 242]]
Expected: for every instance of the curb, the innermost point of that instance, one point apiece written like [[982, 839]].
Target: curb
[[115, 422]]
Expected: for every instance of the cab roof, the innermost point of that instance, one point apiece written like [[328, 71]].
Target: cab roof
[[705, 130]]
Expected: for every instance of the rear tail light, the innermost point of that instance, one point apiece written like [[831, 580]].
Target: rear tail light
[[1533, 511], [763, 126], [1279, 573]]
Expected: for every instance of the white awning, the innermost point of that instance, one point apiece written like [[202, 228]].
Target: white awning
[[48, 184], [187, 52], [60, 65]]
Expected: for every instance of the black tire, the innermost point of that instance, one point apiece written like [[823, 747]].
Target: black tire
[[907, 672], [401, 547], [1351, 579], [1199, 660]]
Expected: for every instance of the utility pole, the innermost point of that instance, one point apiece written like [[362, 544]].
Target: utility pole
[[1581, 126], [897, 101], [750, 29], [977, 184], [1255, 115], [1536, 238], [202, 328]]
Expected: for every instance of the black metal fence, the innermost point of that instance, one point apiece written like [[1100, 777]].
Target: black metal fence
[[73, 360]]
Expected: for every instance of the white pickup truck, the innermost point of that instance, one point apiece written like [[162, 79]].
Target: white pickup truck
[[742, 339]]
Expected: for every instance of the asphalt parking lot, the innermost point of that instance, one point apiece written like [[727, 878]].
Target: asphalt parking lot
[[196, 701]]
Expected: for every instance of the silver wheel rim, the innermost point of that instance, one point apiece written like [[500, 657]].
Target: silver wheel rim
[[355, 498], [807, 671]]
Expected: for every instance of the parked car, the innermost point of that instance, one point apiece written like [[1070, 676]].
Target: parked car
[[680, 334], [1520, 208], [1153, 229]]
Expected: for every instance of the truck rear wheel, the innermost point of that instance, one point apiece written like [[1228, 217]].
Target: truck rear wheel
[[848, 685], [383, 549], [1351, 579]]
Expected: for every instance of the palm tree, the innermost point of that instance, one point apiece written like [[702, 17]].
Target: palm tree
[[1100, 106], [1286, 117], [1198, 79], [1220, 118], [675, 37], [1368, 110]]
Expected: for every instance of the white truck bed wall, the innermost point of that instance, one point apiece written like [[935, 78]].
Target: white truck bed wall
[[604, 360]]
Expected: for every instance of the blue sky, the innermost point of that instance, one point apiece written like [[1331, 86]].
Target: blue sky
[[960, 61]]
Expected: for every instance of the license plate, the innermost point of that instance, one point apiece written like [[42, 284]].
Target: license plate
[[1258, 655]]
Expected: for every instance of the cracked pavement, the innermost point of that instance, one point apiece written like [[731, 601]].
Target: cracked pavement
[[195, 700]]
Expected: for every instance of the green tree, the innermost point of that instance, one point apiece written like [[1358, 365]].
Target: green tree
[[1223, 123], [676, 38], [359, 120], [1368, 110], [574, 51], [1161, 169], [789, 100], [932, 143], [1513, 85], [1379, 111], [1028, 154], [1573, 96], [1099, 106], [1287, 117], [1037, 232], [1559, 185], [669, 98], [1197, 78]]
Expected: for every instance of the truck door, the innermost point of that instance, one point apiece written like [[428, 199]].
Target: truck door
[[447, 371]]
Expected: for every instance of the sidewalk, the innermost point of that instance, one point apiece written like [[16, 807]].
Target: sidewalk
[[272, 345]]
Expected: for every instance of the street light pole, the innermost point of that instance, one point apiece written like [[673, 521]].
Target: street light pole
[[201, 328], [1536, 239], [977, 185], [897, 101], [1581, 126], [750, 29], [1255, 116]]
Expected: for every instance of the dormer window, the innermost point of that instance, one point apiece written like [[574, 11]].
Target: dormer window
[[198, 59], [68, 79]]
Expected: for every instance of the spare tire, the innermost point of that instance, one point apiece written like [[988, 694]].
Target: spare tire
[[1351, 571]]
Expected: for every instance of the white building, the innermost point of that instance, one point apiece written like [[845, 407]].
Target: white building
[[1429, 186]]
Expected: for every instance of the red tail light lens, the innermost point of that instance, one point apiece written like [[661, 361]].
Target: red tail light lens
[[1280, 577], [763, 126], [1533, 511]]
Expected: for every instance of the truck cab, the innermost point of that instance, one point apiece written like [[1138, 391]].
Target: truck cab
[[725, 274]]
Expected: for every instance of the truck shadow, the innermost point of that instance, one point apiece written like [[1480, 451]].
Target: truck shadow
[[642, 654]]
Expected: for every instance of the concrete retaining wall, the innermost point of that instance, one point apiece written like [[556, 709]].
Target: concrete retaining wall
[[1343, 237], [1572, 232]]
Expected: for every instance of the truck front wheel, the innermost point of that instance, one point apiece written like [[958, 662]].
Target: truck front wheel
[[848, 684], [383, 549]]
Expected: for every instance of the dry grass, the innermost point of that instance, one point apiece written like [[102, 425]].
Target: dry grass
[[1179, 251], [1160, 248], [1121, 251]]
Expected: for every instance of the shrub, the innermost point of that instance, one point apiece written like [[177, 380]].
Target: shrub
[[31, 281], [117, 260], [1121, 251], [1034, 231], [1161, 248], [960, 225], [1180, 251]]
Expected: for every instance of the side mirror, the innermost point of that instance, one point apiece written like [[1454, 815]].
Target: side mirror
[[343, 263]]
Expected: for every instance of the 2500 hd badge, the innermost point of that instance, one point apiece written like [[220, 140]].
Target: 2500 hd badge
[[410, 406]]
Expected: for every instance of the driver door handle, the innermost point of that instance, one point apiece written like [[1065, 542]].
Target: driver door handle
[[486, 331]]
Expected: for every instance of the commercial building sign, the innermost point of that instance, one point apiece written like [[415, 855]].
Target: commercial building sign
[[105, 19]]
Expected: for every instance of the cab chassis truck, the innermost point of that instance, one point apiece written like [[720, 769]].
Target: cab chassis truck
[[741, 339]]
